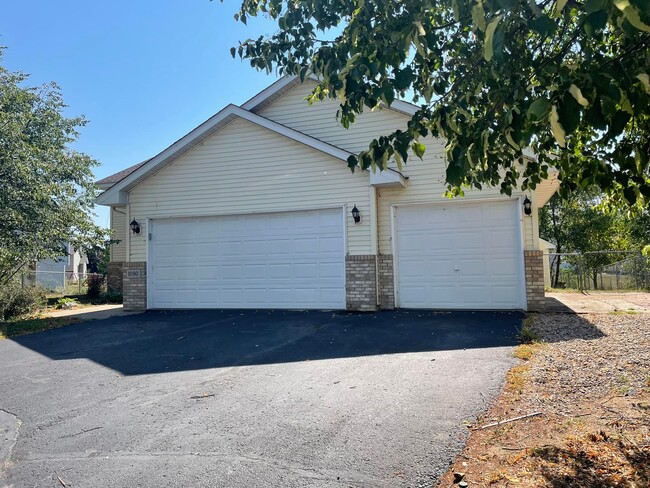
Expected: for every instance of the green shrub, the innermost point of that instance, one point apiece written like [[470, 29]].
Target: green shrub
[[111, 297], [95, 283], [66, 302], [16, 301]]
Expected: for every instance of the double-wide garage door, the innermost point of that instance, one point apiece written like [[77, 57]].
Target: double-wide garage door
[[293, 260], [460, 256]]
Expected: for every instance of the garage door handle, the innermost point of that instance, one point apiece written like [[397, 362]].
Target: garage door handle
[[456, 269]]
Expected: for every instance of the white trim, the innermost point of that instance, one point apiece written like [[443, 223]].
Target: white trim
[[269, 92], [110, 226], [374, 238], [127, 258], [387, 179], [522, 246], [464, 200], [148, 261], [393, 244], [117, 193]]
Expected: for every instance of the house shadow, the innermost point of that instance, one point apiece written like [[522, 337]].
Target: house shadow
[[560, 323], [167, 341]]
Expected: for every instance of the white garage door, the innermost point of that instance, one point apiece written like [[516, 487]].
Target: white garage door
[[460, 256], [275, 260]]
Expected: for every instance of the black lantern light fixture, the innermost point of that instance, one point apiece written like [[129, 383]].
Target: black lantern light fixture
[[356, 215], [528, 206], [135, 227]]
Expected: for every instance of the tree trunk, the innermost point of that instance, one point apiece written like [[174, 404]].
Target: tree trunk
[[557, 271], [595, 278]]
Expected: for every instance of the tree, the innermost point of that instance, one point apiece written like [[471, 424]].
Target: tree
[[580, 223], [568, 79], [46, 189]]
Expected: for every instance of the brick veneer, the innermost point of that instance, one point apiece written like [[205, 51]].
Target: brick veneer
[[135, 286], [361, 283], [386, 281], [534, 264], [114, 279]]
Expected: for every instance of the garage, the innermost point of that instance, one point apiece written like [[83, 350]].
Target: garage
[[285, 260], [459, 255]]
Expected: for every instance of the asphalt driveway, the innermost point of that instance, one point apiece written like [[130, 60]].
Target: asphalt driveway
[[247, 398]]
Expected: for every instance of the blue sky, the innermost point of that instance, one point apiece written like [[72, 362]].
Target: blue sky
[[143, 73]]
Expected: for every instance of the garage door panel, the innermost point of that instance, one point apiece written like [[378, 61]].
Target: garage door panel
[[459, 256], [281, 260]]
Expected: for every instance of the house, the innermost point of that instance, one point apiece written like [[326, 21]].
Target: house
[[256, 208], [57, 273]]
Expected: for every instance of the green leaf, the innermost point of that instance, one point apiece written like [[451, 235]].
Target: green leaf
[[488, 45], [543, 25], [595, 22], [511, 141], [556, 127], [418, 149], [592, 6], [538, 109]]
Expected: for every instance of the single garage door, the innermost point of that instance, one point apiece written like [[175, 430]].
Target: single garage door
[[460, 256], [277, 260]]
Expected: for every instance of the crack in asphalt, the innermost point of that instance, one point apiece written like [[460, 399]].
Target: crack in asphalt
[[9, 428]]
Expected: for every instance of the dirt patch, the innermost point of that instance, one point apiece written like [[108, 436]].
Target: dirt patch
[[590, 379]]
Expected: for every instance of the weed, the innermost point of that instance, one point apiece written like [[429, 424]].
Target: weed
[[516, 378], [66, 302], [526, 351], [526, 334]]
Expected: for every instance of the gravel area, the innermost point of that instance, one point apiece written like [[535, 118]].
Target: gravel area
[[610, 352], [590, 382]]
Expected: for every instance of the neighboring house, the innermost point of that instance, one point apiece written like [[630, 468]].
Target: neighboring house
[[56, 273], [253, 209], [547, 248]]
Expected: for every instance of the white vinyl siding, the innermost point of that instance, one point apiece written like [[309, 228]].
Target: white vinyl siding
[[246, 169], [319, 120], [118, 227], [426, 184]]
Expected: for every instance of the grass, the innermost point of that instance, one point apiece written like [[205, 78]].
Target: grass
[[30, 325], [526, 351], [516, 378]]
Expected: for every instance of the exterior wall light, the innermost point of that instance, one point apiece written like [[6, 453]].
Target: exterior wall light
[[135, 227], [528, 206], [356, 215]]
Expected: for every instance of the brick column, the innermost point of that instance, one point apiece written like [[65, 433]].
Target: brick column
[[386, 281], [534, 263], [361, 283], [135, 286], [114, 277]]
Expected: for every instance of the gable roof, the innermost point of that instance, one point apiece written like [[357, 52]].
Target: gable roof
[[116, 194], [117, 184], [115, 177], [270, 94]]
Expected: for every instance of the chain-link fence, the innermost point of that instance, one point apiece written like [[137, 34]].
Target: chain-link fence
[[63, 282], [599, 270]]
